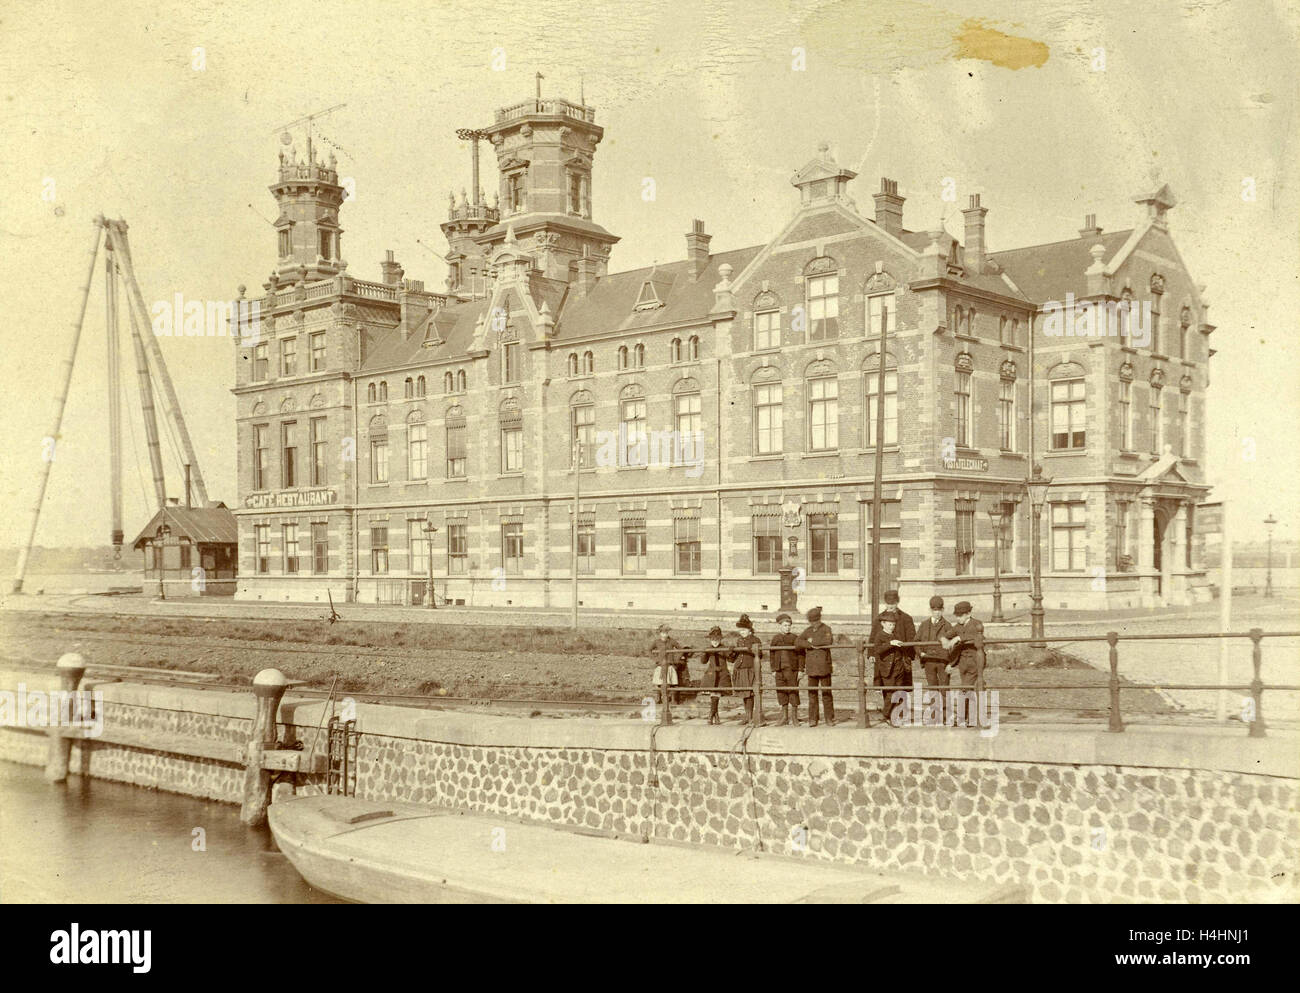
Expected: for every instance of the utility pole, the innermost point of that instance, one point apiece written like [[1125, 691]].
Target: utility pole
[[880, 466], [577, 491]]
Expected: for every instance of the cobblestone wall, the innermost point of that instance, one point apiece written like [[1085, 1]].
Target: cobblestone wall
[[1071, 832]]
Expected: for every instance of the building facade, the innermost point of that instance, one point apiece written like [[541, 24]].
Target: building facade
[[714, 419]]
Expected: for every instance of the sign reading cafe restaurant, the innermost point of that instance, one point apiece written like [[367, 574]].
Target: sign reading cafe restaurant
[[290, 498]]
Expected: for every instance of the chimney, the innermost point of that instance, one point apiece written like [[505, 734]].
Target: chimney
[[1089, 229], [889, 206], [697, 248], [391, 269], [584, 274], [975, 247]]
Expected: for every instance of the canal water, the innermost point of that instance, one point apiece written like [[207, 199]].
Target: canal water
[[91, 841]]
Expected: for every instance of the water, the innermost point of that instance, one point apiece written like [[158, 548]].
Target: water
[[91, 841]]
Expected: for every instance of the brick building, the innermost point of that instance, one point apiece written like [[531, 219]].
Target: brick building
[[725, 404]]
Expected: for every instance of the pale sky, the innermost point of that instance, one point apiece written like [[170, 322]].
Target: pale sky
[[114, 111]]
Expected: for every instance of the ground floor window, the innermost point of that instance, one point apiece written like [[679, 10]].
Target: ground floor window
[[290, 549], [512, 546], [586, 546], [633, 547], [457, 548], [320, 549], [824, 544], [965, 537], [379, 550], [686, 543], [767, 544], [263, 532], [1069, 551], [418, 541]]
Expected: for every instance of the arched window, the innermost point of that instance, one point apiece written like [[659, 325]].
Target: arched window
[[968, 328], [383, 391], [688, 422], [823, 392], [408, 388], [622, 356], [957, 315], [370, 393], [767, 416], [588, 362], [573, 363], [1184, 322], [582, 429], [460, 380], [512, 436], [675, 350], [1015, 331], [421, 387], [638, 356], [694, 348], [1124, 312], [634, 450]]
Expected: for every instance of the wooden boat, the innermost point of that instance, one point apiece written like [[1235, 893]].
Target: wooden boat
[[371, 852]]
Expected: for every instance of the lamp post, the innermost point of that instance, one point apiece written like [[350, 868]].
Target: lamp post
[[1269, 522], [577, 492], [429, 531], [1037, 485], [995, 515], [160, 536]]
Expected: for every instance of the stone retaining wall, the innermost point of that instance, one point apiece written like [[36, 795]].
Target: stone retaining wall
[[1077, 814]]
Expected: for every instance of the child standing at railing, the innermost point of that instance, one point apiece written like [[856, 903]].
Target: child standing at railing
[[787, 663], [716, 678], [678, 673], [742, 674]]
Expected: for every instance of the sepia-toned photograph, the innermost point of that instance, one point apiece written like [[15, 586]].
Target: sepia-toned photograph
[[746, 452]]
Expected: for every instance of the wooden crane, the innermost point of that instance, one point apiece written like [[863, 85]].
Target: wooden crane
[[151, 369]]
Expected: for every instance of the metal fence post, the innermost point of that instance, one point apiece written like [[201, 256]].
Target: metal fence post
[[1257, 684], [863, 720], [663, 689], [1116, 721]]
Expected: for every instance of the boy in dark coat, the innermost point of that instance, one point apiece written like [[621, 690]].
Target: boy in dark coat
[[891, 657], [787, 663], [716, 677], [934, 658], [967, 655], [815, 641], [897, 669]]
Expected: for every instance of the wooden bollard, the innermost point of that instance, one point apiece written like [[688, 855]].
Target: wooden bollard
[[71, 668], [268, 687]]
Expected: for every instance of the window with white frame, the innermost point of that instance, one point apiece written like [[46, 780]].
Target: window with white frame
[[767, 419], [1069, 414], [417, 451], [879, 314], [690, 428], [1125, 416], [632, 425], [767, 330], [871, 380], [823, 414], [962, 394], [1007, 415], [823, 306], [1069, 538]]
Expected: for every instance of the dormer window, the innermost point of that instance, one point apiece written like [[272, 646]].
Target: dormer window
[[648, 298]]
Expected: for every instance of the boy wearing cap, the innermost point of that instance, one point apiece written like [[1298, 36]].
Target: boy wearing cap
[[678, 674], [748, 645], [893, 667], [934, 659], [967, 641], [716, 677], [815, 641], [787, 663]]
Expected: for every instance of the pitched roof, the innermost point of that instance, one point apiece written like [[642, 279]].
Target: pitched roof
[[454, 325], [1048, 272], [215, 525], [609, 304]]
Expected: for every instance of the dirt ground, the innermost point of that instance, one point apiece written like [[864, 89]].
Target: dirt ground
[[550, 664]]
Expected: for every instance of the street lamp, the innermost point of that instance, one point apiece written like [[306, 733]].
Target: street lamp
[[160, 536], [1037, 485], [429, 531], [1269, 523], [996, 513]]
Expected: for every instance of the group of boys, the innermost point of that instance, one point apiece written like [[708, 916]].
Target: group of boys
[[894, 642]]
